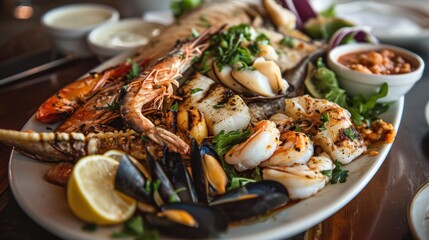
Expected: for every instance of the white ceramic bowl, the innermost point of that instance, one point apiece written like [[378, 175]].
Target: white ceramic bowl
[[368, 84], [112, 39], [70, 24]]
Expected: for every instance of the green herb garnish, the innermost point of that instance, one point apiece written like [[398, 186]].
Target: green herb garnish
[[134, 71], [135, 228], [349, 133], [288, 42], [360, 108], [222, 105], [195, 90], [205, 22], [329, 12], [339, 174], [324, 118], [223, 142], [114, 106], [237, 182], [175, 107]]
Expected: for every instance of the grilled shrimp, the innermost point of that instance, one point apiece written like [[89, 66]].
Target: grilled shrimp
[[100, 109], [257, 148], [155, 85], [296, 147], [60, 146], [301, 180], [330, 125], [71, 97]]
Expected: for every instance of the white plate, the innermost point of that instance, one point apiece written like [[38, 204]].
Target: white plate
[[398, 23], [427, 112], [46, 203], [418, 213]]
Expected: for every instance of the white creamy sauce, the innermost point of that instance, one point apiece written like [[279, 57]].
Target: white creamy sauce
[[77, 19], [126, 37]]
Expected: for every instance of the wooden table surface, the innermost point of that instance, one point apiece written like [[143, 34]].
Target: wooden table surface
[[378, 212]]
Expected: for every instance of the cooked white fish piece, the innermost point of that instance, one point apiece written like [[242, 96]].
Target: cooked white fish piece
[[222, 108]]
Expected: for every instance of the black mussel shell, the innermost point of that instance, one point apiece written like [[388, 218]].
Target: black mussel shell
[[252, 200], [165, 190], [175, 168], [130, 181], [198, 175], [202, 186], [210, 222]]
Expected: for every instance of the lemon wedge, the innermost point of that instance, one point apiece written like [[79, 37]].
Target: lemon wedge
[[91, 195]]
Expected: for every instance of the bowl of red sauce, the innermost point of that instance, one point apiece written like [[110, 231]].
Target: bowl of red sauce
[[362, 68]]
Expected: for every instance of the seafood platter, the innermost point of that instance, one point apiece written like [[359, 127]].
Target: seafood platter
[[228, 124]]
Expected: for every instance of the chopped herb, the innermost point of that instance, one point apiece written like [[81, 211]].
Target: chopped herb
[[175, 107], [144, 138], [222, 105], [196, 59], [135, 228], [237, 182], [174, 197], [156, 184], [205, 22], [350, 133], [324, 118], [194, 33], [148, 186], [90, 227], [134, 71], [114, 106], [288, 42], [327, 173], [298, 129], [225, 141], [50, 129], [236, 47], [339, 174], [195, 90]]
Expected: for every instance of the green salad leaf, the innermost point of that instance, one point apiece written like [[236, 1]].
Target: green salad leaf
[[360, 108]]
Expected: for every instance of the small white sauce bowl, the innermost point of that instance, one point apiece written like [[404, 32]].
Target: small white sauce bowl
[[366, 84], [70, 24], [112, 39]]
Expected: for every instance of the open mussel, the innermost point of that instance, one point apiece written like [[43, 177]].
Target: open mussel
[[132, 182], [252, 200], [208, 175], [185, 220]]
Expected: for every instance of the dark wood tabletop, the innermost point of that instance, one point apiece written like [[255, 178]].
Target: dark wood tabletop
[[379, 211]]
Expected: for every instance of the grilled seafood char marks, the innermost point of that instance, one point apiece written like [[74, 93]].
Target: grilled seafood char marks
[[155, 86], [100, 109], [330, 125], [71, 97], [222, 108], [69, 147]]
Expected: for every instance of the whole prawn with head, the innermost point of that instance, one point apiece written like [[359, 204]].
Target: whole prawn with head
[[156, 84]]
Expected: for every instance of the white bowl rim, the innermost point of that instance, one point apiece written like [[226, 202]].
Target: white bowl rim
[[123, 22], [376, 79], [69, 7]]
